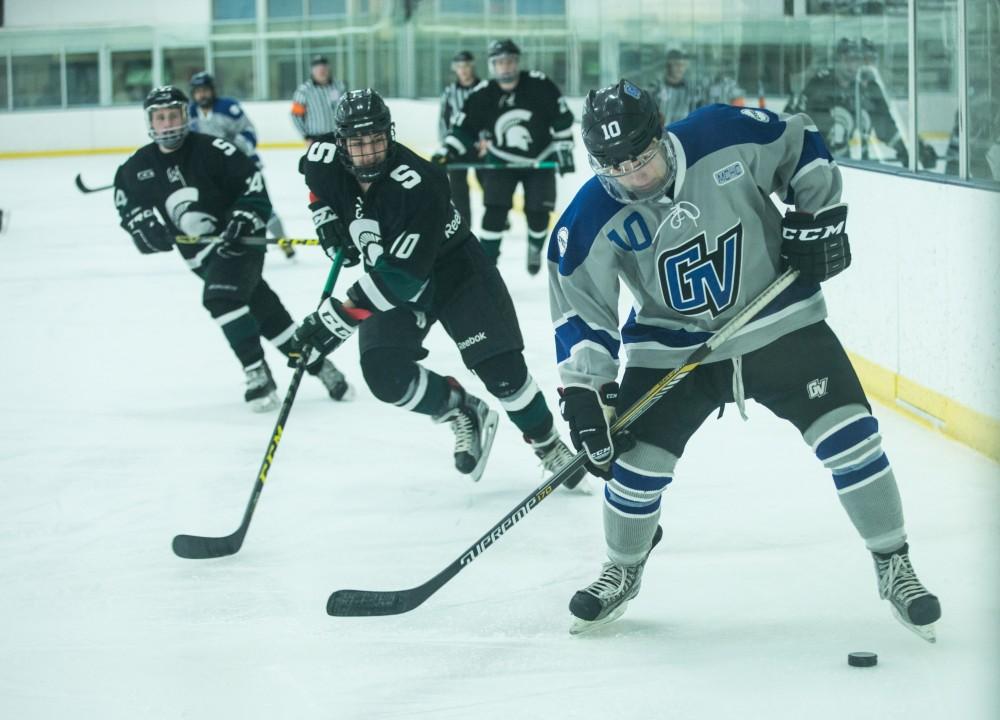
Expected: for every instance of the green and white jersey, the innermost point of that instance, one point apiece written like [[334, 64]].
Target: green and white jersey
[[695, 259]]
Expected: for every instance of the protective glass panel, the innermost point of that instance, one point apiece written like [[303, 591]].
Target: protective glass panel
[[82, 79], [131, 76]]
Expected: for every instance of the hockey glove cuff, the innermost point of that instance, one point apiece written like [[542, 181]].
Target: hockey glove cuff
[[816, 244], [148, 233], [588, 413], [326, 329]]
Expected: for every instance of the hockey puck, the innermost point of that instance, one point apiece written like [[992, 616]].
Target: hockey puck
[[862, 659]]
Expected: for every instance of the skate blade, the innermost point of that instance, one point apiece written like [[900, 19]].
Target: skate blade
[[580, 627], [489, 431], [926, 632], [265, 404]]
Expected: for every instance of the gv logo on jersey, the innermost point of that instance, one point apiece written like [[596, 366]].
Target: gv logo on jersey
[[695, 280]]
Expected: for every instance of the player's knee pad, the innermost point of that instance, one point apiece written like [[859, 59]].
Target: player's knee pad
[[219, 306], [507, 379], [504, 375], [848, 443], [638, 478], [495, 218], [389, 373], [538, 221]]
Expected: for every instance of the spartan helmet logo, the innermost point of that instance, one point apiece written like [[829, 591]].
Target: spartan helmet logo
[[510, 131], [367, 238]]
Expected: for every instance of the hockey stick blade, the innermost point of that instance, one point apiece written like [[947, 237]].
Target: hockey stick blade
[[84, 189], [196, 547], [370, 603]]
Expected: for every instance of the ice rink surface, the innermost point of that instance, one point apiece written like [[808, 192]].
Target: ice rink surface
[[123, 424]]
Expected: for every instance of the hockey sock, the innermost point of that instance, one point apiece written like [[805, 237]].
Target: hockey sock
[[506, 378], [243, 334], [632, 501], [491, 243], [848, 444]]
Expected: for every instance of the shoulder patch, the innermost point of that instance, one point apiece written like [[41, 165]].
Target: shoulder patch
[[562, 238], [234, 109], [729, 173], [757, 115]]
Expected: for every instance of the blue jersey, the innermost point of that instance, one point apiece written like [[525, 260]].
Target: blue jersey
[[692, 260], [226, 119]]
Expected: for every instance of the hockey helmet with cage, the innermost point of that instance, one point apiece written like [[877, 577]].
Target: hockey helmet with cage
[[505, 48], [626, 144], [166, 97], [203, 80], [362, 114]]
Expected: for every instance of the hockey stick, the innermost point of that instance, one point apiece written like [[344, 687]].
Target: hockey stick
[[84, 189], [198, 547], [366, 603], [541, 165], [249, 240]]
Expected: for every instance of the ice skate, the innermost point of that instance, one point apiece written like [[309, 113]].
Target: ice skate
[[474, 425], [534, 258], [912, 604], [606, 599], [334, 381], [261, 393], [554, 454]]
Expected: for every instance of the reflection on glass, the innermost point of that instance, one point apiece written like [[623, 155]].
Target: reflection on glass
[[4, 97], [131, 76], [82, 83], [235, 74], [36, 81], [179, 64]]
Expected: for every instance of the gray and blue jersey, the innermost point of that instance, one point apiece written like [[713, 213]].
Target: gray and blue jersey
[[227, 120], [690, 264]]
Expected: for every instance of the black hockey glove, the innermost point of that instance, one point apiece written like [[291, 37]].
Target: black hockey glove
[[815, 244], [589, 414], [148, 233], [326, 329], [564, 157], [242, 223], [444, 155], [332, 235]]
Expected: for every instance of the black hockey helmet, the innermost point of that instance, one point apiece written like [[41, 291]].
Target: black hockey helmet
[[503, 49], [462, 56], [164, 97], [625, 144], [203, 80], [362, 113]]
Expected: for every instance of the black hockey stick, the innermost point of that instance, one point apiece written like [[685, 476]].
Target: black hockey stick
[[248, 240], [358, 603], [198, 547], [84, 189]]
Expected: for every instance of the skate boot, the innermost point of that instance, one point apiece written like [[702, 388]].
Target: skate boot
[[605, 599], [474, 425], [554, 454], [333, 380], [911, 602], [261, 392], [534, 258]]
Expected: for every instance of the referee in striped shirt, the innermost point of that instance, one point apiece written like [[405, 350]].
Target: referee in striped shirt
[[315, 100], [452, 100]]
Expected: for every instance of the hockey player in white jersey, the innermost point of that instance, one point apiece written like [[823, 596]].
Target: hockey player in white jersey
[[224, 117], [683, 217]]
